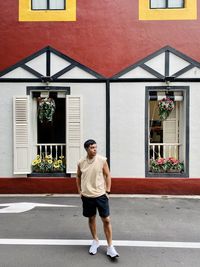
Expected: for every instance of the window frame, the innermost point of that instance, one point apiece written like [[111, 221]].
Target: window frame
[[48, 7], [27, 14], [189, 12], [185, 90], [166, 5], [74, 148]]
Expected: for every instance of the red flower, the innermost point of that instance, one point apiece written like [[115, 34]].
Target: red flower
[[161, 161]]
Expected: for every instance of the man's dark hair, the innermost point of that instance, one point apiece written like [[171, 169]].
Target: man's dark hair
[[88, 143]]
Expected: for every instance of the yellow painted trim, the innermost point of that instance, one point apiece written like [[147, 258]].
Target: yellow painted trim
[[26, 14], [189, 12]]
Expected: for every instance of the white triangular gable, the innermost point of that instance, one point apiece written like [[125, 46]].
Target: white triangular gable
[[138, 73], [57, 64], [49, 64], [166, 62], [192, 73], [157, 63], [38, 64], [77, 73], [19, 73], [176, 64]]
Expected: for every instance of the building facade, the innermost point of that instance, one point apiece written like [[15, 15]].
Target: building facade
[[125, 74]]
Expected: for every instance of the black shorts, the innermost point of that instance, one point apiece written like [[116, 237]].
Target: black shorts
[[91, 205]]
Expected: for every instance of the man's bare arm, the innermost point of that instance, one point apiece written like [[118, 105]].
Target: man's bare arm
[[107, 176], [78, 180]]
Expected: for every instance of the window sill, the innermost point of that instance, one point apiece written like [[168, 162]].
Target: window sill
[[55, 174]]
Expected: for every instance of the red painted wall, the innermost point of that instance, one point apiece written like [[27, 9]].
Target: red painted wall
[[178, 186], [107, 36]]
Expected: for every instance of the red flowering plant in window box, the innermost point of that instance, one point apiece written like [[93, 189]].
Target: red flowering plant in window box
[[165, 107], [166, 165]]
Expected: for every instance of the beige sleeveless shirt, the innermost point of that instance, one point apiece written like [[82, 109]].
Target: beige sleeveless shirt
[[92, 178]]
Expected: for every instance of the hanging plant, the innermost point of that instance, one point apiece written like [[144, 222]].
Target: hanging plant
[[165, 107], [46, 109]]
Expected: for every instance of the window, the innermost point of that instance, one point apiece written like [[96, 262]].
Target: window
[[166, 3], [167, 9], [48, 4], [166, 145], [47, 10], [60, 138]]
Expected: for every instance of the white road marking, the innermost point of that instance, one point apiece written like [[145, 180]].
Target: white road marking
[[80, 242], [111, 196], [25, 206]]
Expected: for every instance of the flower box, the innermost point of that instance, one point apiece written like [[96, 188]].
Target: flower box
[[48, 164], [166, 165]]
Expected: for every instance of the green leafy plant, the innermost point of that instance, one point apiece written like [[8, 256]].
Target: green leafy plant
[[165, 107], [166, 165], [48, 164], [46, 109]]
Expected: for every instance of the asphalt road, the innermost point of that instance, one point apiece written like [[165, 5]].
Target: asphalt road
[[147, 232]]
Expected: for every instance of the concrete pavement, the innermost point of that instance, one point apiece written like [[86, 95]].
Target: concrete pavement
[[148, 231]]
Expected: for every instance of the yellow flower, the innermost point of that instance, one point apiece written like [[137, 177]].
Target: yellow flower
[[56, 165], [34, 162], [38, 157], [61, 157], [49, 161]]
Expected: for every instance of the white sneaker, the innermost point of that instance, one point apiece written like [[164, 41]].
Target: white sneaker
[[94, 247], [111, 251]]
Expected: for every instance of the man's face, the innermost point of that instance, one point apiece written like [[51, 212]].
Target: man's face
[[92, 150]]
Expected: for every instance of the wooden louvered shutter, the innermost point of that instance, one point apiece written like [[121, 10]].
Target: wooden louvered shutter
[[22, 164], [73, 132], [171, 132]]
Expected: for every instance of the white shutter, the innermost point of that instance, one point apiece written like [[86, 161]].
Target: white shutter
[[73, 132], [21, 124], [170, 132]]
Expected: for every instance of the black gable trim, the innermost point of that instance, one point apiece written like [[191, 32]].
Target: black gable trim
[[27, 68], [167, 50], [48, 50], [75, 63], [22, 62]]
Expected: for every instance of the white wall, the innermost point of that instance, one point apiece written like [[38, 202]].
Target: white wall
[[128, 132], [127, 129], [94, 112], [6, 125], [194, 154], [127, 124], [94, 117]]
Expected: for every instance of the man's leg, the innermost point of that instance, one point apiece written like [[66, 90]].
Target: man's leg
[[111, 251], [107, 229], [93, 227]]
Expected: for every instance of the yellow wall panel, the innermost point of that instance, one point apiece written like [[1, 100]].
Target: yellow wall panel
[[26, 14], [189, 12]]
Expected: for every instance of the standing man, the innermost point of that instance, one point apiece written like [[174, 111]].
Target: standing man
[[93, 184]]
